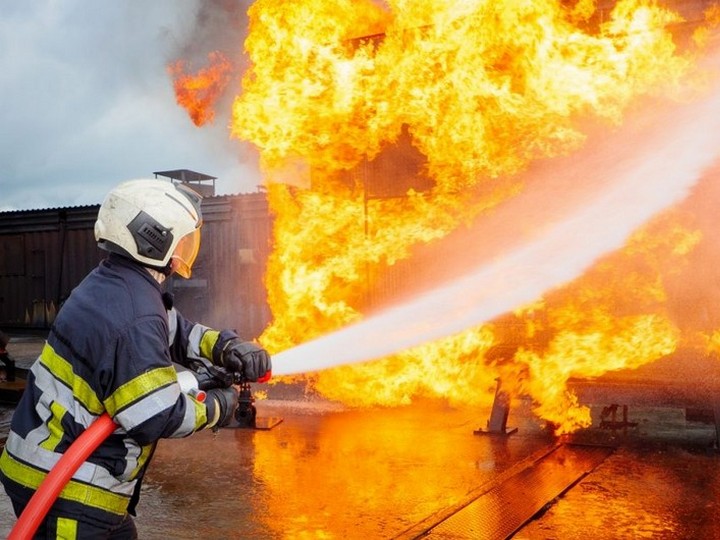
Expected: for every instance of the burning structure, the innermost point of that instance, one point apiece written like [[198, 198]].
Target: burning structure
[[478, 98]]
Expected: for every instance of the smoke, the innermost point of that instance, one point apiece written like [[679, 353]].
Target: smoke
[[218, 25], [218, 29]]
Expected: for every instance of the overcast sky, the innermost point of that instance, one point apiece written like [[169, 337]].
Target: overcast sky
[[86, 101]]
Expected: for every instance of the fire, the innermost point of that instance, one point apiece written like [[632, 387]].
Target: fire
[[198, 93], [468, 95], [615, 317]]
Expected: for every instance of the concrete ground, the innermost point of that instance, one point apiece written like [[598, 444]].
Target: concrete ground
[[329, 472]]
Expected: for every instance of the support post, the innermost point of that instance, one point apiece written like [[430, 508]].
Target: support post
[[497, 425]]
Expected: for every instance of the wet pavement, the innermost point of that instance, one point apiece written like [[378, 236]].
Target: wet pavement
[[327, 472], [324, 474], [660, 493]]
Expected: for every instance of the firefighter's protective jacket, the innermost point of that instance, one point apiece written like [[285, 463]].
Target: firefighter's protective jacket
[[110, 349]]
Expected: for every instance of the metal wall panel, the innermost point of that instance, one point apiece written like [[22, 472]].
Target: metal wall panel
[[44, 254]]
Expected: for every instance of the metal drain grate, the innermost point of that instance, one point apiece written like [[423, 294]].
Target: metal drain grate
[[503, 510]]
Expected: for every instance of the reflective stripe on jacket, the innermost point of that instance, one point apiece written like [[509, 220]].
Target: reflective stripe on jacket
[[108, 350]]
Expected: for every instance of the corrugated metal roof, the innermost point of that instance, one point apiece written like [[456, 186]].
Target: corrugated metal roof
[[17, 221], [46, 209], [13, 218]]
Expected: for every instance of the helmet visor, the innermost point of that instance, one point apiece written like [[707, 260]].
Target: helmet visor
[[186, 253]]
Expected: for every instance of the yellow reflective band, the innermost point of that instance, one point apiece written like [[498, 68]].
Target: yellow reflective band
[[66, 529], [145, 452], [207, 342], [62, 369], [200, 412], [54, 426], [216, 414], [78, 492], [139, 387]]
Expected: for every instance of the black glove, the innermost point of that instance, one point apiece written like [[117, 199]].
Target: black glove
[[220, 404], [248, 359]]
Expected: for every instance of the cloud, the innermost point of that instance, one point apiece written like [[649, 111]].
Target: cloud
[[87, 102]]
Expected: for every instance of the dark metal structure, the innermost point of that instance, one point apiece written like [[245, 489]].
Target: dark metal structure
[[226, 289], [204, 184], [45, 253]]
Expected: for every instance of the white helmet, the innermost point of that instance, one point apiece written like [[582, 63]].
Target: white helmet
[[151, 221]]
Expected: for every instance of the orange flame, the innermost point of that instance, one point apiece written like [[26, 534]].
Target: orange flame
[[466, 95], [615, 317], [198, 93]]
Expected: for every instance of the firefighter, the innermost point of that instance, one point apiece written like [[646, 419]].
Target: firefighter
[[111, 349]]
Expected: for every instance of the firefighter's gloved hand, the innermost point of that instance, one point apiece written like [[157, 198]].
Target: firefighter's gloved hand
[[251, 361], [220, 404]]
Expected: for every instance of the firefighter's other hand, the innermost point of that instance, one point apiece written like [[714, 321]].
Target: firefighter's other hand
[[251, 361], [220, 404]]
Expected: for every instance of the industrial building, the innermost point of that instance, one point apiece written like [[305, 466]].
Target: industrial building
[[45, 253]]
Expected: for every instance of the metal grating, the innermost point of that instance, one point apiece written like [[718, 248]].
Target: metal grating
[[503, 510]]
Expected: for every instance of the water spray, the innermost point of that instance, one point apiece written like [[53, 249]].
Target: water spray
[[638, 185]]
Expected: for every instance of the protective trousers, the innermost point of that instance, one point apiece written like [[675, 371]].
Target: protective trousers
[[65, 528]]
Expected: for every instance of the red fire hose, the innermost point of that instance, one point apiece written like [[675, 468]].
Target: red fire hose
[[60, 475], [41, 501]]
